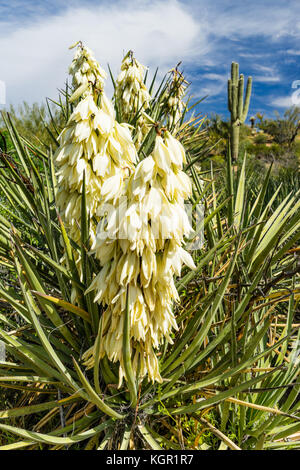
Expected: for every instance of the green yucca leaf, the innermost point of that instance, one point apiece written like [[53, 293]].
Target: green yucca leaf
[[26, 378], [48, 439], [56, 361], [19, 349], [204, 261], [25, 195], [153, 81], [111, 76], [35, 284], [126, 438], [256, 235], [97, 358], [93, 397], [218, 397], [65, 305], [240, 196], [16, 141], [146, 434], [258, 204], [27, 410], [208, 321]]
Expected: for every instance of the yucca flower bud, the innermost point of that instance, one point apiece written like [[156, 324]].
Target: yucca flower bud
[[92, 145], [132, 95], [140, 250]]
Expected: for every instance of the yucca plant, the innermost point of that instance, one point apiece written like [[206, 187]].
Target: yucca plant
[[229, 377]]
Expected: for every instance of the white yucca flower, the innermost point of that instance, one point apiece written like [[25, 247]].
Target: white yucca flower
[[86, 71], [132, 95], [92, 145], [175, 105], [140, 250]]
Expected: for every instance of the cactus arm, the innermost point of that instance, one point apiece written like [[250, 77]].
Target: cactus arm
[[240, 97], [234, 81], [234, 72], [247, 99]]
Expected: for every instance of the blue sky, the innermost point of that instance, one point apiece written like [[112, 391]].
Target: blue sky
[[263, 36]]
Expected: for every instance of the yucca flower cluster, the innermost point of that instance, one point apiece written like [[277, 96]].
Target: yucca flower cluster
[[175, 105], [132, 95], [139, 211], [93, 145], [86, 72], [140, 250]]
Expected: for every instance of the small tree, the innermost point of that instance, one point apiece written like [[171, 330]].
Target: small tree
[[283, 130]]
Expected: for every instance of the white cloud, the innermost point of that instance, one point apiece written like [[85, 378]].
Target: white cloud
[[215, 76], [264, 68], [37, 57], [267, 78], [34, 39], [235, 20], [214, 84], [293, 51], [268, 74], [211, 90], [252, 55], [282, 102]]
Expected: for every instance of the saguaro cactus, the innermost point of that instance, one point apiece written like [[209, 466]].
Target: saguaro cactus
[[237, 106]]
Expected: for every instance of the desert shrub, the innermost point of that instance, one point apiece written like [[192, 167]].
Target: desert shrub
[[284, 130], [260, 139]]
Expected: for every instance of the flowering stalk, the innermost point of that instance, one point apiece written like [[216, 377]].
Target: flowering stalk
[[132, 95], [93, 144], [174, 105], [140, 251]]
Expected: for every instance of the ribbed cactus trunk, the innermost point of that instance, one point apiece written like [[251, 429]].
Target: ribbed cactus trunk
[[235, 139], [237, 106]]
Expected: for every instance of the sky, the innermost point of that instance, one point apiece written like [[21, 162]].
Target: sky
[[263, 36]]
